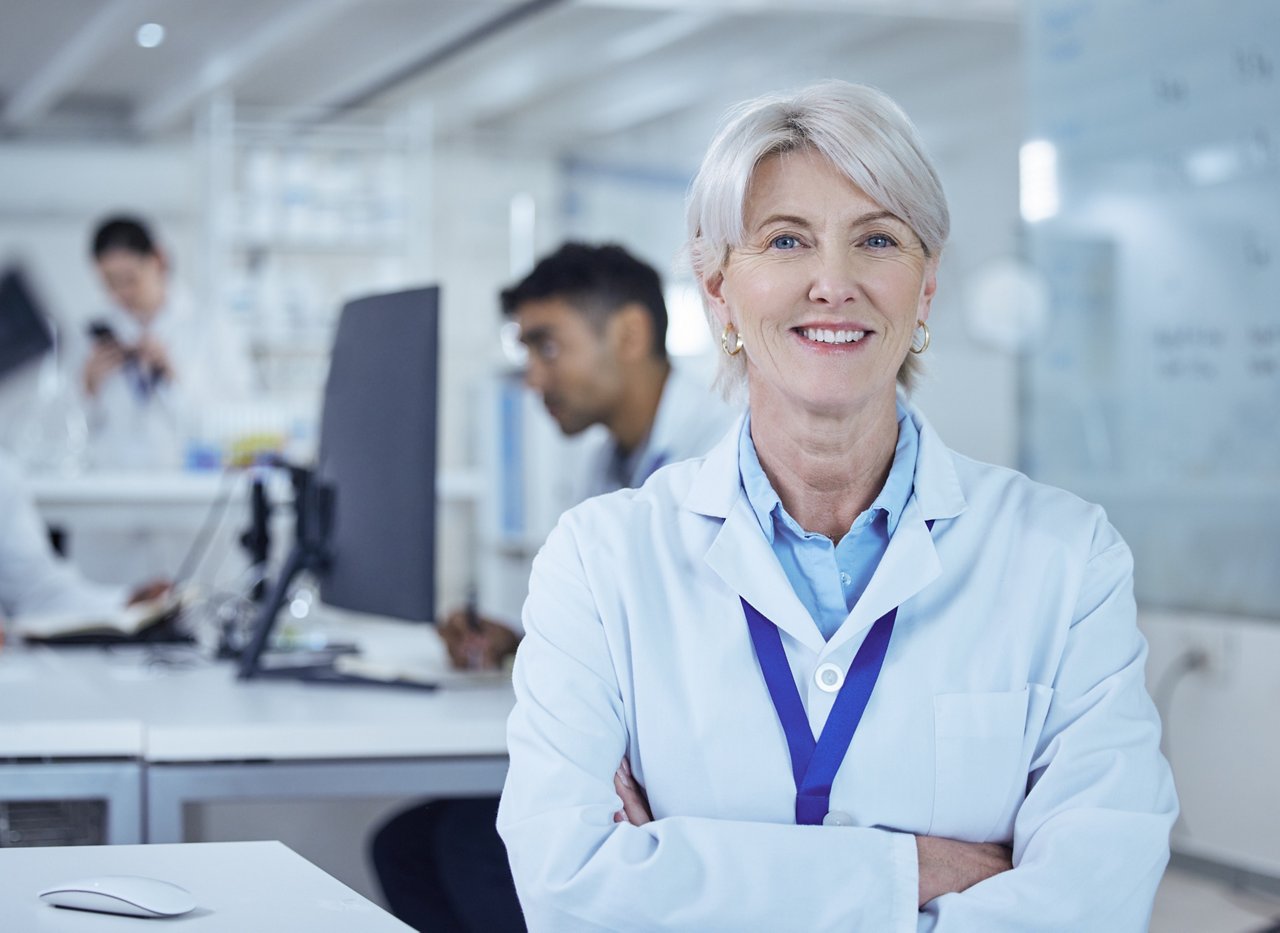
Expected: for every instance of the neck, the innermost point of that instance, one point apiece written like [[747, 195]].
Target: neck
[[826, 470], [632, 418], [145, 316]]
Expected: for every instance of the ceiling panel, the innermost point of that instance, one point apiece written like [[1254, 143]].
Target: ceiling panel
[[31, 31], [553, 74], [365, 37], [197, 34]]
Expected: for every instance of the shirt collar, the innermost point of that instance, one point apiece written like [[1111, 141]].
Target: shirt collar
[[891, 501]]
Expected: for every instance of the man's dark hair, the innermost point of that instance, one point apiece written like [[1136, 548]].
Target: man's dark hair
[[597, 281], [123, 233]]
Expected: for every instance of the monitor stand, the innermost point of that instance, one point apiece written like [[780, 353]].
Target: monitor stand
[[313, 516], [313, 509]]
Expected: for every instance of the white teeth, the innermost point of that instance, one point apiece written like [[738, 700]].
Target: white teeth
[[824, 335]]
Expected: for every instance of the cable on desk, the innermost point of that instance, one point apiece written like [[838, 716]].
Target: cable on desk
[[1190, 661], [212, 521]]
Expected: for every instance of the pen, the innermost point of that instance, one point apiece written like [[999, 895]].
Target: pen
[[474, 637], [472, 615]]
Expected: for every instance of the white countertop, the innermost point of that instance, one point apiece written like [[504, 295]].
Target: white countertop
[[238, 887], [123, 702]]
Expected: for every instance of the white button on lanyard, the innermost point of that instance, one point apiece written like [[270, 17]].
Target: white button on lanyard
[[837, 818], [829, 677]]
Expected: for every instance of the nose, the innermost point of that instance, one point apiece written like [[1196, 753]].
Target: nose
[[835, 279]]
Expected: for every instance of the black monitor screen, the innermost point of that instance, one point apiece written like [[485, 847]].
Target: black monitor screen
[[24, 332], [378, 452]]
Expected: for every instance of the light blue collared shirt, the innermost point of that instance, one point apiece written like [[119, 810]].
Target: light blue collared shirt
[[830, 578]]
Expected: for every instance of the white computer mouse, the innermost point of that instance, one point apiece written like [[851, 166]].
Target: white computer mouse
[[131, 895]]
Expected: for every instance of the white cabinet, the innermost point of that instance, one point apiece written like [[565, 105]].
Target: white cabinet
[[304, 216]]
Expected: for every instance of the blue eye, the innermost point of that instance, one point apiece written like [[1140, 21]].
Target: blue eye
[[880, 241], [785, 241]]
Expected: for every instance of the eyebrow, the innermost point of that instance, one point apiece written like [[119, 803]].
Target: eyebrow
[[869, 217]]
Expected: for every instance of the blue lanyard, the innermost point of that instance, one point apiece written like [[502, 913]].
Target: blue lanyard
[[814, 764]]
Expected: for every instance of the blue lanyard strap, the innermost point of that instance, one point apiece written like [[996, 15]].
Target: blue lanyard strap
[[814, 764]]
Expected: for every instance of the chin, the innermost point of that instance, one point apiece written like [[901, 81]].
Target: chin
[[572, 428]]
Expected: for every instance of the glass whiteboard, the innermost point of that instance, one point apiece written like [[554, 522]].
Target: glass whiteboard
[[1155, 389]]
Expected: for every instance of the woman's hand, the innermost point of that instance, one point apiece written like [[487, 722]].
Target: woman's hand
[[948, 865], [104, 359], [153, 358], [635, 804]]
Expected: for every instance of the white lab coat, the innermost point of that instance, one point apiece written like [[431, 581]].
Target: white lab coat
[[33, 579], [1011, 707], [689, 421], [212, 367]]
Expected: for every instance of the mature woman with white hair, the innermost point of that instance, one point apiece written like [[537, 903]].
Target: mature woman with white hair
[[961, 641]]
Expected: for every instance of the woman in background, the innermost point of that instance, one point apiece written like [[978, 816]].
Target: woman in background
[[960, 640], [154, 367]]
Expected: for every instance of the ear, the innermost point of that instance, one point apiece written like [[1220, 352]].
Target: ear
[[713, 288], [927, 289], [162, 259], [630, 330]]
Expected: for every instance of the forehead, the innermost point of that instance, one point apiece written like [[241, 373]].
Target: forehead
[[124, 262], [543, 317], [801, 182]]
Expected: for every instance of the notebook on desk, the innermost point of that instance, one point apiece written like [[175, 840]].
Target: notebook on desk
[[151, 621]]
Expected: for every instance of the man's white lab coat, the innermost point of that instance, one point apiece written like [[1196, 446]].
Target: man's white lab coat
[[689, 421], [1011, 707]]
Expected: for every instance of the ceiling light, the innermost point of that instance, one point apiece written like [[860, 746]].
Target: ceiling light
[[150, 35]]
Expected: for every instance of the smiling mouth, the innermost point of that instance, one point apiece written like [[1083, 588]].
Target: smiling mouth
[[831, 336]]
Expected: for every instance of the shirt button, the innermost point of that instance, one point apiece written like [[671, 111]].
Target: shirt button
[[845, 578], [828, 677], [837, 818]]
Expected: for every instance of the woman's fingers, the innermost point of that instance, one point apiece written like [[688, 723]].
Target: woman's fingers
[[635, 805]]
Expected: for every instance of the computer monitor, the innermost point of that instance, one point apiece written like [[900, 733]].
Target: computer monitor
[[378, 452], [365, 515], [24, 331]]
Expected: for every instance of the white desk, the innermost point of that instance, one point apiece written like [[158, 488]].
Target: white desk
[[60, 739], [239, 887], [193, 735]]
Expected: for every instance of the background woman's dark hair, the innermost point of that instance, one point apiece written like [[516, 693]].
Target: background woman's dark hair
[[123, 232], [597, 281]]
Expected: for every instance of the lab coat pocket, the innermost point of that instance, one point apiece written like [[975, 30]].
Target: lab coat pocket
[[979, 777]]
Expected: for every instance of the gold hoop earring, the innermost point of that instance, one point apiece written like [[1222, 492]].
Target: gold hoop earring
[[924, 344], [729, 330]]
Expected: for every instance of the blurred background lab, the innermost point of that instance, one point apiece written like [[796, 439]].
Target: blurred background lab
[[1108, 318]]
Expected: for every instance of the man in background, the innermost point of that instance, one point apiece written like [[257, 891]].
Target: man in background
[[154, 366], [595, 324]]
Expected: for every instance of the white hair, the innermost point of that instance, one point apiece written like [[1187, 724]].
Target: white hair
[[859, 129]]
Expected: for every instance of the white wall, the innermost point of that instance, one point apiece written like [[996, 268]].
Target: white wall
[[1220, 733]]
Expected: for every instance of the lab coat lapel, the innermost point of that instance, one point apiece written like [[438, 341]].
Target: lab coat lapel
[[911, 561], [739, 554], [743, 559]]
